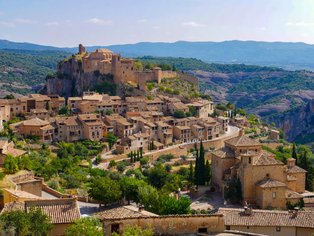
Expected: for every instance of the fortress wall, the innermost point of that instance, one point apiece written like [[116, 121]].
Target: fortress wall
[[143, 77], [168, 74], [127, 72]]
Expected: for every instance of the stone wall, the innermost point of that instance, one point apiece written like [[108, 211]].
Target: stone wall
[[171, 225]]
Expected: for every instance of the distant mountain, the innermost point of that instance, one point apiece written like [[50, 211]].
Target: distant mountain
[[286, 55]]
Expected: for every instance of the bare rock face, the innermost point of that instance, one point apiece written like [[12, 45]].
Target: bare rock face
[[71, 80], [297, 124]]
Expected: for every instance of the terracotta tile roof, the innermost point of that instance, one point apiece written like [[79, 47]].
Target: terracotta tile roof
[[60, 211], [242, 141], [223, 153], [47, 127], [267, 218], [265, 158], [35, 122], [22, 194], [295, 169], [13, 206], [3, 144], [123, 213], [14, 152], [292, 195], [270, 183]]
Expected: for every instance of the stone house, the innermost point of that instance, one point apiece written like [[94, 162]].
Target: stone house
[[67, 128], [182, 134], [266, 222], [57, 102], [63, 212], [164, 133], [93, 127], [118, 219], [203, 108], [7, 148], [35, 127], [265, 181]]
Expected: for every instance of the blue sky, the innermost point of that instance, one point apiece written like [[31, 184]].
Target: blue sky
[[103, 22]]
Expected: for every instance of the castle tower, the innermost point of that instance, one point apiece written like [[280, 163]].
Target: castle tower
[[82, 49], [116, 68], [157, 74]]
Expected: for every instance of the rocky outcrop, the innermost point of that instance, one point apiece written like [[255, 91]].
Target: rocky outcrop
[[297, 124], [71, 80]]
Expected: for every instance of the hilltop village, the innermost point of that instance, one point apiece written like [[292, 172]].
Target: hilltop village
[[167, 163]]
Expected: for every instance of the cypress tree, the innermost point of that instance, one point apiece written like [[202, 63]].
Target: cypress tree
[[294, 153], [141, 153], [196, 170], [137, 155], [207, 172], [201, 164], [191, 174], [132, 159]]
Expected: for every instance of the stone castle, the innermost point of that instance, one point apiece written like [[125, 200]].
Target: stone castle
[[122, 69]]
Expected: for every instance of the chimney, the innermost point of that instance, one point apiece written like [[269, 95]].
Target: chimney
[[247, 210], [291, 162], [140, 208], [241, 132]]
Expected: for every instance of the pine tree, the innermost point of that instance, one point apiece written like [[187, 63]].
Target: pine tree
[[191, 174], [294, 154], [201, 164], [303, 161]]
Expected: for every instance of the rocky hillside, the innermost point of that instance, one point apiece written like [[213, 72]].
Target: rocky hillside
[[23, 71], [71, 80], [298, 124]]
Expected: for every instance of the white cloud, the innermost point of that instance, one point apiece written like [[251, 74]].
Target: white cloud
[[192, 24], [156, 27], [262, 28], [98, 21], [23, 21], [142, 21], [53, 23], [300, 24], [7, 24]]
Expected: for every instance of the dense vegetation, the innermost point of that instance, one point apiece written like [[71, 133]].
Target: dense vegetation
[[20, 70]]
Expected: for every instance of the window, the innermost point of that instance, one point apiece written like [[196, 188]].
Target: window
[[228, 227], [278, 228], [202, 230], [250, 160], [274, 195]]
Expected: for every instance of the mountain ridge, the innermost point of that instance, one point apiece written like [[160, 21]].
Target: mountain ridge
[[287, 55]]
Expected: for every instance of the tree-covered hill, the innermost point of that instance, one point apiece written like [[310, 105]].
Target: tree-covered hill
[[21, 70]]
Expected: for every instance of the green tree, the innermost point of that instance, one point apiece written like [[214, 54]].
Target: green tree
[[40, 223], [64, 111], [179, 114], [130, 188], [201, 163], [234, 191], [10, 164], [105, 190], [172, 206], [136, 231], [157, 176], [197, 170], [22, 223], [294, 153], [207, 173], [191, 173], [111, 139], [86, 226], [148, 196]]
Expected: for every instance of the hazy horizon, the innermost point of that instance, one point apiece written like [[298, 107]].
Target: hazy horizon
[[102, 22]]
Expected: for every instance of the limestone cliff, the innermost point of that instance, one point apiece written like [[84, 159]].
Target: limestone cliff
[[297, 124], [71, 80]]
